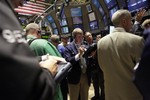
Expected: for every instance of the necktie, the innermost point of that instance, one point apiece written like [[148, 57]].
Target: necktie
[[83, 64]]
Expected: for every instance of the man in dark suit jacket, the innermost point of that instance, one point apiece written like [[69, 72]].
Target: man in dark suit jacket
[[77, 77], [142, 76], [21, 76]]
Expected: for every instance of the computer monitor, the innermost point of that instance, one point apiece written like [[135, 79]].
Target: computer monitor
[[96, 3], [110, 3], [134, 5], [92, 16], [101, 11], [50, 18], [76, 11], [105, 20], [93, 25], [89, 8], [77, 20], [53, 25], [62, 12], [98, 6], [63, 22], [65, 29], [55, 31], [78, 26], [113, 10]]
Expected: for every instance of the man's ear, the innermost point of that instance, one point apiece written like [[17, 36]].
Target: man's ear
[[123, 21]]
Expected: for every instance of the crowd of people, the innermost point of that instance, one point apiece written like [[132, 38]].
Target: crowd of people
[[30, 63]]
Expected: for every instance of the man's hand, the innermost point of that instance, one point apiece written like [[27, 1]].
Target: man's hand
[[140, 15], [81, 50]]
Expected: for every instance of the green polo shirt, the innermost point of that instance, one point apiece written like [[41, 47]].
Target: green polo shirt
[[42, 47]]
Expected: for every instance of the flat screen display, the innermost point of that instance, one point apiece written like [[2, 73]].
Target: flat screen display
[[77, 20], [113, 10], [101, 10], [105, 20], [50, 18], [110, 3], [76, 12], [91, 16], [134, 5], [93, 25], [55, 31], [78, 26], [96, 3], [63, 22], [62, 12], [65, 30], [88, 7], [53, 25]]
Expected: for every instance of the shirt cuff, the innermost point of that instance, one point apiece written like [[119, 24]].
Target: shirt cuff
[[136, 22], [77, 57]]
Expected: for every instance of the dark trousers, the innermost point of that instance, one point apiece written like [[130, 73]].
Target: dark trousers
[[98, 84], [64, 88]]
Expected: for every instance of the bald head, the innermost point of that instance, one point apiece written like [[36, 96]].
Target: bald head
[[146, 24], [54, 40], [118, 15], [32, 26], [122, 18], [33, 29]]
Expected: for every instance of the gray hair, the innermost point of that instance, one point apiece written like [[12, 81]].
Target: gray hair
[[118, 15], [54, 38], [146, 22], [77, 31]]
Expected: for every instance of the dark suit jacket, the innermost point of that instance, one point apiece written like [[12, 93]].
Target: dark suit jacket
[[75, 72], [142, 74], [21, 77]]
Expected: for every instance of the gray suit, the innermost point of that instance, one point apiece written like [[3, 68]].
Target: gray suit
[[118, 53]]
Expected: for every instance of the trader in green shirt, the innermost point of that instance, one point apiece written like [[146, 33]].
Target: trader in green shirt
[[41, 47]]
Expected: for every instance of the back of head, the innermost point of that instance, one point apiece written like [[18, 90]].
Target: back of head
[[54, 38], [146, 24], [31, 26], [118, 16], [77, 31]]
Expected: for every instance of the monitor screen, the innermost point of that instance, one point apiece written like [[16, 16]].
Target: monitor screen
[[77, 20], [78, 26], [88, 7], [94, 25], [101, 10], [105, 20], [134, 5], [62, 12], [96, 3], [76, 12], [50, 18], [55, 31], [113, 10], [53, 25], [63, 22], [65, 29], [110, 3], [91, 16]]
